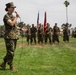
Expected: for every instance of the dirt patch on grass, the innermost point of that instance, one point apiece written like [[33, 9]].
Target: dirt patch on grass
[[33, 45]]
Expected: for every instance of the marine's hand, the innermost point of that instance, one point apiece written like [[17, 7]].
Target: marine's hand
[[17, 15]]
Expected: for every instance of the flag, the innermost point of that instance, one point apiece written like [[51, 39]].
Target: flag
[[38, 20], [45, 23]]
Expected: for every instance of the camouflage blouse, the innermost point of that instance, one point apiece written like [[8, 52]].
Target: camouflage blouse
[[11, 32]]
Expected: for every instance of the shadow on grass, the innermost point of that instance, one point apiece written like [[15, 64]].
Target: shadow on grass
[[3, 69]]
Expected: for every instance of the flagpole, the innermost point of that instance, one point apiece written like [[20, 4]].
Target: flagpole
[[45, 25], [38, 20]]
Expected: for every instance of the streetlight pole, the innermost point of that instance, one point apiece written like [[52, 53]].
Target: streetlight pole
[[65, 27], [66, 5]]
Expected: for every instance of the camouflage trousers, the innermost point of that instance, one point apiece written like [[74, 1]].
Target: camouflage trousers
[[33, 38], [10, 48], [55, 37], [40, 38], [47, 37], [28, 38], [65, 37]]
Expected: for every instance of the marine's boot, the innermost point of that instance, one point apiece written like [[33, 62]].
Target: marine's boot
[[3, 65], [12, 67]]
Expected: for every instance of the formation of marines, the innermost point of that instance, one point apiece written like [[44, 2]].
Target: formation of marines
[[51, 34]]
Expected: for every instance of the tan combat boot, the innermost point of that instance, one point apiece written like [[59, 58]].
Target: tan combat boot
[[12, 67]]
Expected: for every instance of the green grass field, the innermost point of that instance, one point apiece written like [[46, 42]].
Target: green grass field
[[42, 60]]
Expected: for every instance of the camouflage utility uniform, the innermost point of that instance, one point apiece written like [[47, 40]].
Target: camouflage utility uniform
[[40, 35], [48, 35], [33, 34], [56, 32], [65, 34], [11, 36], [28, 34]]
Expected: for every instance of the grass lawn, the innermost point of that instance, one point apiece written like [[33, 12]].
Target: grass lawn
[[42, 60]]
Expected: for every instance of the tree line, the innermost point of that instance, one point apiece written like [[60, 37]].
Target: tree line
[[21, 33]]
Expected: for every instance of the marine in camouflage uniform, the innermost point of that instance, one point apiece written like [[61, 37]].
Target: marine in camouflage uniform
[[48, 33], [65, 34], [72, 33], [40, 34], [33, 34], [28, 34], [75, 34], [11, 35], [55, 33]]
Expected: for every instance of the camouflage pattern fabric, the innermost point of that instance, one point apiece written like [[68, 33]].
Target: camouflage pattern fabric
[[55, 36], [48, 35], [11, 32], [11, 36], [40, 35], [33, 35], [10, 46], [65, 35]]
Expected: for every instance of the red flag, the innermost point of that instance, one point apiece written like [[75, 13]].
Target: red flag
[[45, 24]]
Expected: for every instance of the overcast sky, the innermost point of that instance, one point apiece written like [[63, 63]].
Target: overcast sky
[[28, 11]]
